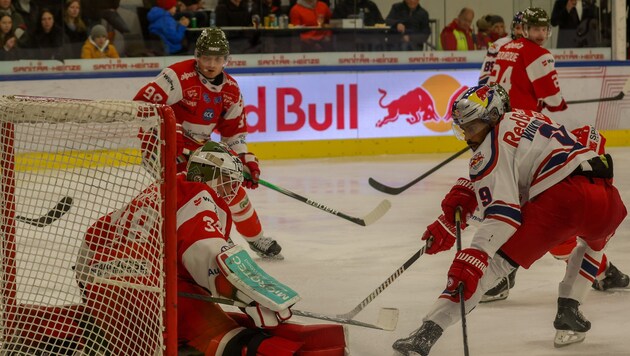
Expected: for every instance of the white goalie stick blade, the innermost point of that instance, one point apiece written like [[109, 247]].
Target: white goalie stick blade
[[567, 337], [388, 318]]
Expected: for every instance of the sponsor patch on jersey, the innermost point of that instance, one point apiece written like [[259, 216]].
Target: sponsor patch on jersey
[[208, 114], [206, 97], [121, 268], [187, 75], [192, 93], [476, 161], [217, 100]]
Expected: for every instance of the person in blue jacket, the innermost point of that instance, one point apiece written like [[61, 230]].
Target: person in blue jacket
[[163, 24]]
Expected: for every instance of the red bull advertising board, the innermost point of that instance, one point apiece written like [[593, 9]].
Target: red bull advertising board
[[351, 105]]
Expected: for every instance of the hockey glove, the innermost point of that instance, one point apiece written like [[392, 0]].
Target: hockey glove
[[250, 164], [440, 236], [467, 268], [463, 195], [261, 316]]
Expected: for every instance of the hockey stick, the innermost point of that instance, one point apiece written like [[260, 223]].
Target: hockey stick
[[385, 322], [460, 288], [621, 95], [397, 190], [53, 215], [368, 219], [351, 314]]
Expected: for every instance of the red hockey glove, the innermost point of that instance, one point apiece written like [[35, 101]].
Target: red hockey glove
[[250, 164], [440, 236], [462, 194], [467, 268]]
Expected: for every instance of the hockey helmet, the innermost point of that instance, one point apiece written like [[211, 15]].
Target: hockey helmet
[[516, 20], [535, 16], [486, 103], [218, 166], [212, 42]]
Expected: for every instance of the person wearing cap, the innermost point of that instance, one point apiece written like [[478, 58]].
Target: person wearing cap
[[98, 46], [163, 24], [206, 99], [482, 37]]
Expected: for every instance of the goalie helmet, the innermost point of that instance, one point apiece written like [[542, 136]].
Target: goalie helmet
[[535, 16], [487, 103], [212, 42], [216, 165]]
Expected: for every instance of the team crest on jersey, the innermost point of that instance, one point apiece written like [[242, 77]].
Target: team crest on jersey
[[192, 93], [476, 161], [208, 114], [217, 100], [206, 97]]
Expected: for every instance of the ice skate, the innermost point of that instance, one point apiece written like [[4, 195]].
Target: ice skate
[[614, 278], [571, 326], [267, 248], [420, 341], [501, 290]]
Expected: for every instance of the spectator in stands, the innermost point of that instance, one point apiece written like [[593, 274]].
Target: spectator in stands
[[482, 38], [577, 23], [29, 11], [264, 8], [312, 13], [74, 27], [233, 13], [48, 39], [8, 41], [497, 27], [98, 46], [190, 9], [457, 36], [371, 13], [97, 10], [20, 27], [412, 21], [163, 24]]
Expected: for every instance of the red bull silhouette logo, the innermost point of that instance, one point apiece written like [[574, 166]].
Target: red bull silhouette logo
[[429, 104], [417, 104]]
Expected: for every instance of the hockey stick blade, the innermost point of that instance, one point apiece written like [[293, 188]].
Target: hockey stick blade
[[381, 209], [397, 190], [351, 314], [389, 319], [53, 215]]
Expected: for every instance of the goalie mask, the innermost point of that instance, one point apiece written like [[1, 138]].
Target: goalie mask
[[477, 107], [217, 166]]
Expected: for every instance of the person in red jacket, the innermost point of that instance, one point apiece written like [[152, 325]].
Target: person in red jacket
[[457, 36], [206, 99]]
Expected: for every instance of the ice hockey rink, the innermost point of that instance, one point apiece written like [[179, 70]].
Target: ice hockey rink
[[335, 264]]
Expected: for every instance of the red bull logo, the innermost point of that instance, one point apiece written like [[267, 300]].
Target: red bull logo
[[429, 104]]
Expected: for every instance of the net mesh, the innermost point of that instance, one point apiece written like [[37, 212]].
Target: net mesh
[[81, 220]]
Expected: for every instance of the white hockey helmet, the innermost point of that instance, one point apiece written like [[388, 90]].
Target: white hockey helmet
[[216, 165], [486, 103]]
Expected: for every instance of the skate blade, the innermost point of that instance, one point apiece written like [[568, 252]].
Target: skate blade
[[277, 257], [494, 298], [567, 337]]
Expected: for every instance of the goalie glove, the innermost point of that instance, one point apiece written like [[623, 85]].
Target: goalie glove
[[439, 236], [250, 164], [462, 194], [260, 315]]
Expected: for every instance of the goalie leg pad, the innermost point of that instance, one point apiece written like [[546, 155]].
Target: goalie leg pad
[[238, 267]]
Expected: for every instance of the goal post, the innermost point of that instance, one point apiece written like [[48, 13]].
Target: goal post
[[88, 261]]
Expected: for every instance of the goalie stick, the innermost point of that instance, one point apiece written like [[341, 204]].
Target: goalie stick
[[387, 318], [619, 96], [381, 209], [53, 215], [397, 190], [351, 314]]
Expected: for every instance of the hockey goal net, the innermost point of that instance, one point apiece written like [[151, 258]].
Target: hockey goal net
[[65, 165]]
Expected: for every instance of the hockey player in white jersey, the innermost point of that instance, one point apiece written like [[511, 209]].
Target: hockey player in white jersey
[[493, 50], [536, 187]]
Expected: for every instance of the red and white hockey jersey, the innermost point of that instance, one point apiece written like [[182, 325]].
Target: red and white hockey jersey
[[200, 107], [491, 56], [527, 71], [525, 154]]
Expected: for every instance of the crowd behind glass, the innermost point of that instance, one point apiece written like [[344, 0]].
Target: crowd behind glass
[[65, 29]]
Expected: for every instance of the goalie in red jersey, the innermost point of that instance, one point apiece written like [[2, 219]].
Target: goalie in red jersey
[[206, 99], [117, 267]]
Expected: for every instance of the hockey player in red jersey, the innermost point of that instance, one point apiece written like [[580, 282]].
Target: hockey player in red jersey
[[120, 248], [529, 174], [206, 99], [526, 69], [495, 47]]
